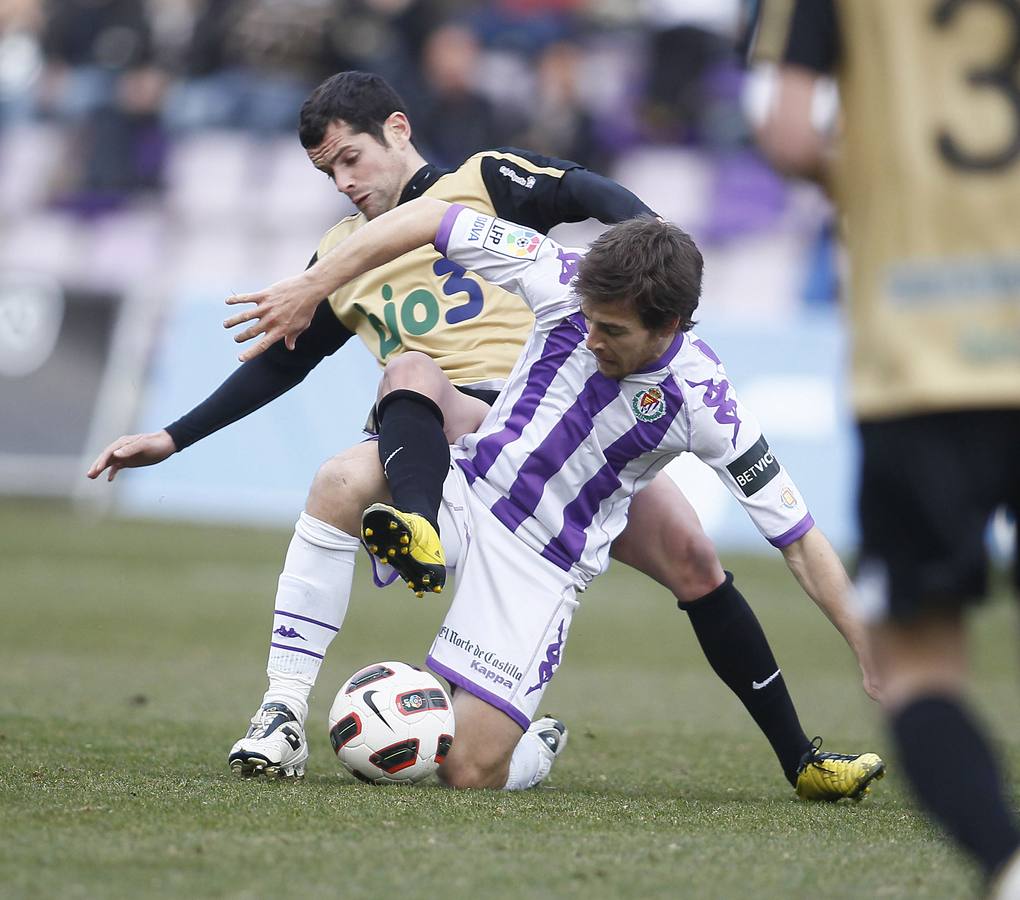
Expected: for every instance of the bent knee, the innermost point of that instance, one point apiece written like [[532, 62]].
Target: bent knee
[[410, 369], [688, 564], [345, 484], [470, 775]]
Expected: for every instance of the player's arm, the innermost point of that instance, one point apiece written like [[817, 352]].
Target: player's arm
[[820, 573], [543, 192], [283, 310], [726, 435], [794, 50], [250, 387]]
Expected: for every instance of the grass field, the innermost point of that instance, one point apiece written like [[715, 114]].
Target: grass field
[[133, 653]]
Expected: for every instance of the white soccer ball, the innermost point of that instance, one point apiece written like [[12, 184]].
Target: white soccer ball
[[391, 723]]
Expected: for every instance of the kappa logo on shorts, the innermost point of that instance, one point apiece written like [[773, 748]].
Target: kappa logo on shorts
[[649, 404], [514, 241], [552, 659]]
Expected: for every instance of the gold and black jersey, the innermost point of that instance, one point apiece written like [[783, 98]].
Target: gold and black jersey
[[423, 301], [928, 180]]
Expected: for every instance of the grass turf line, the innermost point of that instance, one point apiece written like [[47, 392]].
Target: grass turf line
[[133, 654]]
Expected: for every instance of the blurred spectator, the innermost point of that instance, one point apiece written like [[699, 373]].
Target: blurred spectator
[[692, 67], [455, 119], [21, 60], [561, 126], [103, 80], [251, 63]]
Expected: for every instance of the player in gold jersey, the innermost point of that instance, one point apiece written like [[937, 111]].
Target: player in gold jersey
[[448, 341], [926, 170]]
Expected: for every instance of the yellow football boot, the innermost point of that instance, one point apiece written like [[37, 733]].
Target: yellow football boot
[[409, 543], [833, 776]]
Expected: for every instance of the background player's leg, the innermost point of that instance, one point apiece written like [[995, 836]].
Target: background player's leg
[[943, 751], [664, 539]]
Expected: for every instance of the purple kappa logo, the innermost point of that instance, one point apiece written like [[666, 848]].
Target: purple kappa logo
[[286, 632], [725, 407], [551, 661], [568, 263]]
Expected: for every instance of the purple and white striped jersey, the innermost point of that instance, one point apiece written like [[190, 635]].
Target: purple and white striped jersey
[[564, 448]]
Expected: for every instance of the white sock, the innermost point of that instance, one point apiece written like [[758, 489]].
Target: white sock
[[311, 602], [530, 763]]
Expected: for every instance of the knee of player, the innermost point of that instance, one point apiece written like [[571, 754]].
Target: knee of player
[[472, 774], [343, 481], [695, 563], [412, 370]]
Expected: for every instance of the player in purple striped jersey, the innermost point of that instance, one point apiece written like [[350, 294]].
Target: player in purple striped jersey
[[357, 132], [610, 386]]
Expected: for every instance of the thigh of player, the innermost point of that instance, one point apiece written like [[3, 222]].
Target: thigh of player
[[664, 539], [928, 487], [504, 635]]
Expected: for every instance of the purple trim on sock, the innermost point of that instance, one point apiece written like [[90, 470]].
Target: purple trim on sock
[[283, 612], [555, 449], [794, 534], [442, 240], [561, 342], [379, 583], [566, 548], [672, 350], [481, 693], [296, 650]]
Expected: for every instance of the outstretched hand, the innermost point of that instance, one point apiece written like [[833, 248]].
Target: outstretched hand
[[131, 451], [283, 310]]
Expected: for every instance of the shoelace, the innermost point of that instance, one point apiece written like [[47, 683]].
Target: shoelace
[[819, 757]]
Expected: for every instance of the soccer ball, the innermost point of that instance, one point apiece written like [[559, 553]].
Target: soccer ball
[[391, 724]]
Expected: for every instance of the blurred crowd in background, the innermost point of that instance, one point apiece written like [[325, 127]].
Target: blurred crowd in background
[[125, 124]]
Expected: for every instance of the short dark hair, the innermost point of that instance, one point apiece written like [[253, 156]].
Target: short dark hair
[[653, 265], [363, 100]]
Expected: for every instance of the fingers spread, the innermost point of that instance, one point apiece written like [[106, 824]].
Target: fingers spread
[[250, 332], [258, 349], [240, 317]]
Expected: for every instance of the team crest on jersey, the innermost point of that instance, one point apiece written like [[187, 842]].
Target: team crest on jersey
[[513, 241], [649, 404]]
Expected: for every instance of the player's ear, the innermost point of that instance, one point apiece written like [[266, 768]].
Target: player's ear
[[398, 128]]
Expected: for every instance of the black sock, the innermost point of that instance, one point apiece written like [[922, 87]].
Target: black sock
[[955, 776], [414, 452], [738, 651]]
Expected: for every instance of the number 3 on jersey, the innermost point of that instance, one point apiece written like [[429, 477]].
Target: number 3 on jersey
[[419, 311], [999, 74]]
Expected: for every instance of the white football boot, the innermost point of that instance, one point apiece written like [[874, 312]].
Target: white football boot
[[274, 746], [552, 734]]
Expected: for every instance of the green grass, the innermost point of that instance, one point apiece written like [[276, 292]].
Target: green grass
[[132, 654]]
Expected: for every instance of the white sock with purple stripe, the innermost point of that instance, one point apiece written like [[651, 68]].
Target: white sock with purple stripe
[[311, 602]]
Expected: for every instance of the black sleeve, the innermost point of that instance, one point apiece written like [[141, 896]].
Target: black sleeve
[[256, 382], [802, 33], [813, 40], [587, 195], [543, 200]]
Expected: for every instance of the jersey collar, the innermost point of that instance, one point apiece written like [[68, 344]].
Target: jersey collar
[[420, 182]]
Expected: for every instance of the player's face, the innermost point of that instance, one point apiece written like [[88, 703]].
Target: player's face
[[620, 342], [371, 174]]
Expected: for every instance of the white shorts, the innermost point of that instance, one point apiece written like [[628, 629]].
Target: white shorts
[[504, 634]]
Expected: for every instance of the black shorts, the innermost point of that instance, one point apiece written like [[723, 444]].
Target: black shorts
[[486, 395], [929, 486]]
